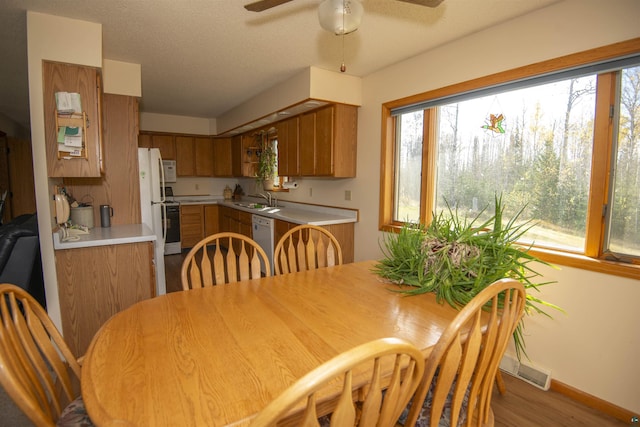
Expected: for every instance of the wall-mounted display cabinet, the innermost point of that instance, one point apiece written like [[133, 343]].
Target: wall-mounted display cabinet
[[73, 138]]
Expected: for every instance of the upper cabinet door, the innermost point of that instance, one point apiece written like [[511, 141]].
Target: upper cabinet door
[[328, 141], [222, 157], [288, 147], [307, 144], [203, 156], [324, 141], [185, 156], [166, 144], [82, 158]]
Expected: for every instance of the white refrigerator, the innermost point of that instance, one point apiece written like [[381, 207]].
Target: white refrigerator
[[152, 201]]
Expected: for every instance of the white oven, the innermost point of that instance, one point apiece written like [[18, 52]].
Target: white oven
[[172, 243]]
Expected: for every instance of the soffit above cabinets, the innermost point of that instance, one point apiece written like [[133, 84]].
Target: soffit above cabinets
[[294, 110]]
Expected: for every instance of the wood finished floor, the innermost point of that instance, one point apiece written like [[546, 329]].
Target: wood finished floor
[[524, 405]]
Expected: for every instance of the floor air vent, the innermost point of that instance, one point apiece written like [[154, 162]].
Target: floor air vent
[[534, 376]]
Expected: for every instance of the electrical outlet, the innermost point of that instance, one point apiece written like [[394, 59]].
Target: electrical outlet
[[310, 192], [347, 194], [197, 186]]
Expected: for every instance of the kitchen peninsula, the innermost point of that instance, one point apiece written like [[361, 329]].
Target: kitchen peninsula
[[91, 271]]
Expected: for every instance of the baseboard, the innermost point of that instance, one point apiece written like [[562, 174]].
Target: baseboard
[[587, 399]]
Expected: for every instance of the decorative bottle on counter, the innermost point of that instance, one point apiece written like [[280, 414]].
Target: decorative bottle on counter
[[227, 193]]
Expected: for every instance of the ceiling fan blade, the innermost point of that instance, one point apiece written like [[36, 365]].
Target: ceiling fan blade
[[427, 3], [261, 5]]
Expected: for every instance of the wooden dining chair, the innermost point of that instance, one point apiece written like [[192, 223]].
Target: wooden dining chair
[[223, 258], [460, 371], [354, 384], [37, 369], [306, 247]]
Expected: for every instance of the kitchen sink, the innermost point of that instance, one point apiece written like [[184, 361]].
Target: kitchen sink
[[258, 206], [250, 205]]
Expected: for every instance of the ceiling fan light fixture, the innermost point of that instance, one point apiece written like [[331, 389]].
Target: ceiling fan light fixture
[[340, 16]]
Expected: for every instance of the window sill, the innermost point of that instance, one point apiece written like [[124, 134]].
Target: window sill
[[615, 268]]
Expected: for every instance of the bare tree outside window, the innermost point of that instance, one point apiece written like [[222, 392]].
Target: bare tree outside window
[[624, 212]]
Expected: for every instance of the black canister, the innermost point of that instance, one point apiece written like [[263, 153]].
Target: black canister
[[106, 212]]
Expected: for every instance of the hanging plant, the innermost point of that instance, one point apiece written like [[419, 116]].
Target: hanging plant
[[267, 160], [456, 258]]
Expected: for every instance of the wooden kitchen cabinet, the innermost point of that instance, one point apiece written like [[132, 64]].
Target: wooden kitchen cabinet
[[288, 147], [222, 157], [328, 141], [236, 221], [194, 156], [249, 155], [245, 226], [86, 160], [236, 155], [166, 143], [204, 160], [228, 219], [211, 220], [95, 283], [120, 183], [280, 228], [191, 225], [185, 156], [344, 234]]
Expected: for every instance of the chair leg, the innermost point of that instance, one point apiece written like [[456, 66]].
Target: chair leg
[[500, 383]]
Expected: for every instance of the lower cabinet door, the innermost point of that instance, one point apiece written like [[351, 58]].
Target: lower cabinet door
[[97, 282]]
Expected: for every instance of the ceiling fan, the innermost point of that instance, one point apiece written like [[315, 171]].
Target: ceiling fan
[[336, 16], [261, 5]]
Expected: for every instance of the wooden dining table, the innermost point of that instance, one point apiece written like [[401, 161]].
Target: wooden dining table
[[216, 356]]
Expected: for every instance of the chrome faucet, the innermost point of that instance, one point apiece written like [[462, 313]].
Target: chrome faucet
[[267, 196]]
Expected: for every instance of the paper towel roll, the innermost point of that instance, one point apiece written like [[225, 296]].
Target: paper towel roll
[[290, 184]]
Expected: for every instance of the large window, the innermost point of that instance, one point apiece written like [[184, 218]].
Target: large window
[[563, 145]]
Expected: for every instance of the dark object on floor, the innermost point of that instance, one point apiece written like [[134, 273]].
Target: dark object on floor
[[20, 262]]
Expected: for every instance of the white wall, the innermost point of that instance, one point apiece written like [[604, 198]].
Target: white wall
[[13, 128], [310, 83], [176, 124], [48, 39], [595, 347], [121, 78]]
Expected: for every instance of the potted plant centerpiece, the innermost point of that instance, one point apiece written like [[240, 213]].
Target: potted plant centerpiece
[[458, 257], [267, 165]]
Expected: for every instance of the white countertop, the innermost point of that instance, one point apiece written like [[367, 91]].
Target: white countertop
[[114, 235], [297, 213]]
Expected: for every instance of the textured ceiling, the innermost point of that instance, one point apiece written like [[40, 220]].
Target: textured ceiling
[[201, 58]]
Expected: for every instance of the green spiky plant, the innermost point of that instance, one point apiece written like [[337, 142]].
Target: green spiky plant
[[458, 257]]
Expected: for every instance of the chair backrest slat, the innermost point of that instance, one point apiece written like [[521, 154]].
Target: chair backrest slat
[[359, 374], [462, 367], [241, 259], [306, 247], [37, 369]]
